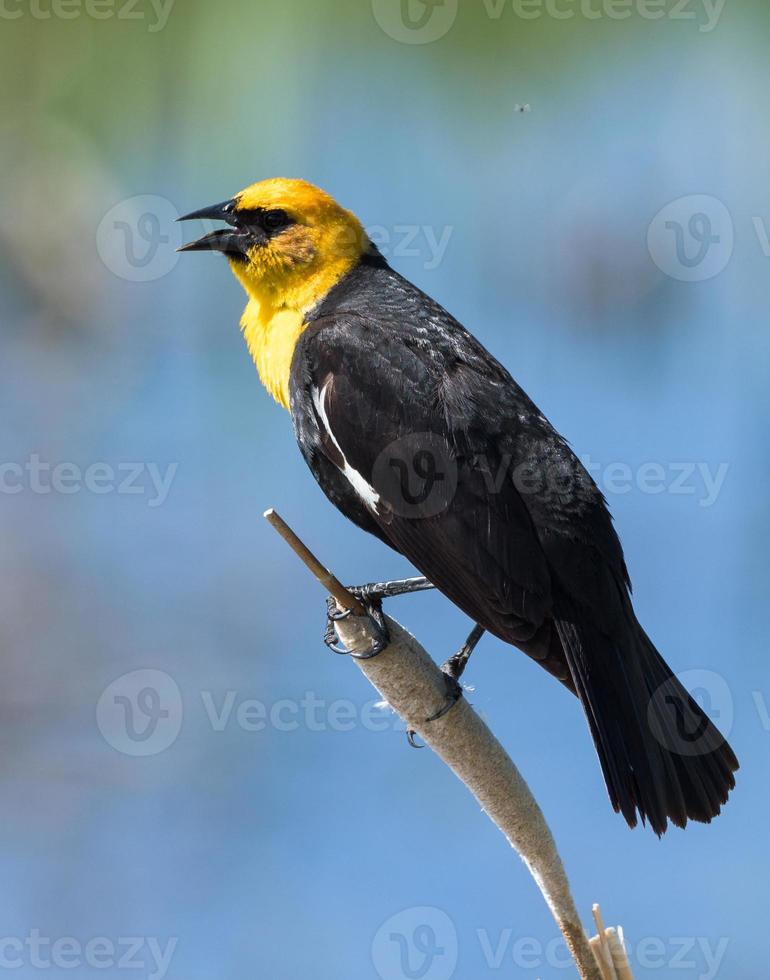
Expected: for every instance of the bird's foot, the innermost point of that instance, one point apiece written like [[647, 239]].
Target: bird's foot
[[370, 596], [379, 629], [454, 692], [452, 670]]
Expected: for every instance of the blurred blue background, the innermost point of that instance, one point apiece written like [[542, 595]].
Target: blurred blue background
[[600, 186]]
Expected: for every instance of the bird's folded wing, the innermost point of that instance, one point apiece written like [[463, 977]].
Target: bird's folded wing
[[399, 424]]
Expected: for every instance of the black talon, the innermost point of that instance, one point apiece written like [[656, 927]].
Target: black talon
[[334, 613], [454, 693], [377, 647], [330, 639], [411, 735], [337, 648]]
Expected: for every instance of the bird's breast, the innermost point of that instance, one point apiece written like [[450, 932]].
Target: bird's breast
[[271, 336]]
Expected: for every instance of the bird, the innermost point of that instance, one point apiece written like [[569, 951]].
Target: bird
[[421, 437]]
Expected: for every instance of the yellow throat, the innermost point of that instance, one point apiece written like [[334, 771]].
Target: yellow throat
[[271, 340]]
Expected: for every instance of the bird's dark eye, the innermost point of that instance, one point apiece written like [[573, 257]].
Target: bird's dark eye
[[275, 219]]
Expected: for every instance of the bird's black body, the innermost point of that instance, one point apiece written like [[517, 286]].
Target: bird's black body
[[417, 434]]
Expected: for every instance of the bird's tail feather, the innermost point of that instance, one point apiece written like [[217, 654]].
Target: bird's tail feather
[[661, 755]]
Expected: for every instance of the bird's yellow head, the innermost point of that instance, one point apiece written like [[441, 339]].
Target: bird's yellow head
[[288, 242]]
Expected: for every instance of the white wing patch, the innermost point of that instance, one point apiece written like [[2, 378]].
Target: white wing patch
[[366, 492]]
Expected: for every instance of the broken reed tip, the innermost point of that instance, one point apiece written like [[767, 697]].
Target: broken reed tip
[[345, 599]]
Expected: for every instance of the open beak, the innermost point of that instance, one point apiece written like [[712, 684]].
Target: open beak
[[233, 241]]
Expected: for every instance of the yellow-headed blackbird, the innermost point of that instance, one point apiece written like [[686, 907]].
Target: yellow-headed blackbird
[[418, 435]]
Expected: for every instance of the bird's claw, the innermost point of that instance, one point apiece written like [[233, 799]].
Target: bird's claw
[[333, 611], [411, 735], [373, 607], [454, 693]]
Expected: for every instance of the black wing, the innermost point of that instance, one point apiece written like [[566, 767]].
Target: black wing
[[411, 439]]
